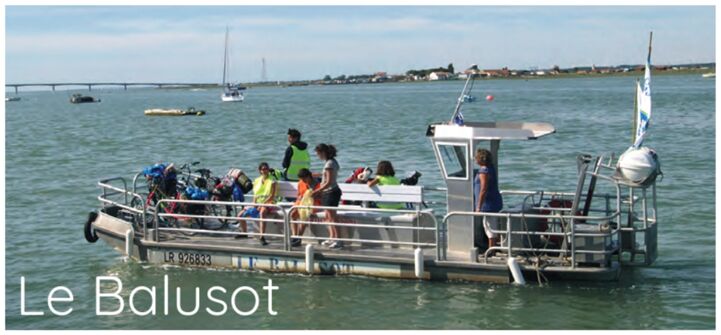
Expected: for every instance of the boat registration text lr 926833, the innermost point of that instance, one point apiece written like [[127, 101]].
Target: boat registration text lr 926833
[[187, 258]]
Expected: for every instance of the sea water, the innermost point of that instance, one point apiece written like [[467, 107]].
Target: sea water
[[57, 151]]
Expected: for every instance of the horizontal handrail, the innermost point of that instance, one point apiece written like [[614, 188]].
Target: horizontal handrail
[[211, 202], [218, 232], [537, 216], [415, 244], [417, 212], [361, 225]]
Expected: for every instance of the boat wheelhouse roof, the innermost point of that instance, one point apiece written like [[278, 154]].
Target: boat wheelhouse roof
[[492, 130]]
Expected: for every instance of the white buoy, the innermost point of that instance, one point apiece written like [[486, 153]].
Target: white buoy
[[129, 242], [418, 257], [640, 164], [309, 259], [516, 271]]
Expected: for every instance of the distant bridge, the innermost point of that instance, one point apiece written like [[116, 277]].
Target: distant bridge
[[124, 85]]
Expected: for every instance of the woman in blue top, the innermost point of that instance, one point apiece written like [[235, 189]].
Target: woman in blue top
[[485, 190]]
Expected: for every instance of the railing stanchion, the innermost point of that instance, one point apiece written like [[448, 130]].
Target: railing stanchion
[[439, 242], [645, 210], [573, 244], [509, 232], [286, 229], [156, 220]]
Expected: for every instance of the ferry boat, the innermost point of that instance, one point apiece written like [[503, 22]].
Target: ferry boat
[[608, 223], [580, 234]]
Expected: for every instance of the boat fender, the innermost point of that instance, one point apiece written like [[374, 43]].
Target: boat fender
[[516, 272], [90, 235], [309, 259], [418, 260]]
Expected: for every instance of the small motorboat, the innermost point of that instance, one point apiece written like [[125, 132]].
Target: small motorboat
[[81, 99], [8, 99], [709, 75], [173, 112]]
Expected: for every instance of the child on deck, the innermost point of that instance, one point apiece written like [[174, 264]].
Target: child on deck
[[385, 175], [306, 185]]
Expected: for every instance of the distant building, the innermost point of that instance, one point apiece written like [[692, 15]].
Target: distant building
[[379, 77], [439, 76], [504, 72]]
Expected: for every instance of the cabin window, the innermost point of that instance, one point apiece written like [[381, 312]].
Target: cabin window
[[453, 157]]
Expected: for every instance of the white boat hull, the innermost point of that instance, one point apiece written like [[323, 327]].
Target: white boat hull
[[232, 98]]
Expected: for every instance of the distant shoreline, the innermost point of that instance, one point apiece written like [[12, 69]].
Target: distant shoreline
[[638, 74], [285, 84]]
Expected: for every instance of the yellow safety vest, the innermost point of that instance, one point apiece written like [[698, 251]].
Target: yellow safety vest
[[262, 189], [389, 180], [299, 160]]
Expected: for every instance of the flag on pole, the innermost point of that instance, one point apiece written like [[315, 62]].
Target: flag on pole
[[643, 106]]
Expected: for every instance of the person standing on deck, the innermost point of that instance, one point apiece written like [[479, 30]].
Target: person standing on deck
[[485, 190], [296, 156], [329, 192]]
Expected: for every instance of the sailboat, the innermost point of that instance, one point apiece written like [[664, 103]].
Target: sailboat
[[231, 93]]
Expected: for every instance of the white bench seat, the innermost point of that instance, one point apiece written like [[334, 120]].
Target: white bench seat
[[354, 214]]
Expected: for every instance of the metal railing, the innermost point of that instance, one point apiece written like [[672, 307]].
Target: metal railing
[[104, 198], [177, 215], [285, 218], [417, 228], [565, 221]]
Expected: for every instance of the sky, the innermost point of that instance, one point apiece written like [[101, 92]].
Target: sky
[[185, 43]]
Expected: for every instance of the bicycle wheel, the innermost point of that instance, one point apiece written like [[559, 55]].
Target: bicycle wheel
[[221, 210], [139, 204]]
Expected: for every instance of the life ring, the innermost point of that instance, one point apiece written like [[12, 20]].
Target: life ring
[[90, 235]]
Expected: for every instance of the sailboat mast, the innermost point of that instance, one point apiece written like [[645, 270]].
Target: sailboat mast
[[650, 38], [635, 113], [225, 55]]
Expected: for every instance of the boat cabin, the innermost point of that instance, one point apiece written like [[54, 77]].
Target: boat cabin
[[454, 147]]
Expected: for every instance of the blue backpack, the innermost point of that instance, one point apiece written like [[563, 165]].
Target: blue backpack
[[238, 193], [196, 193]]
